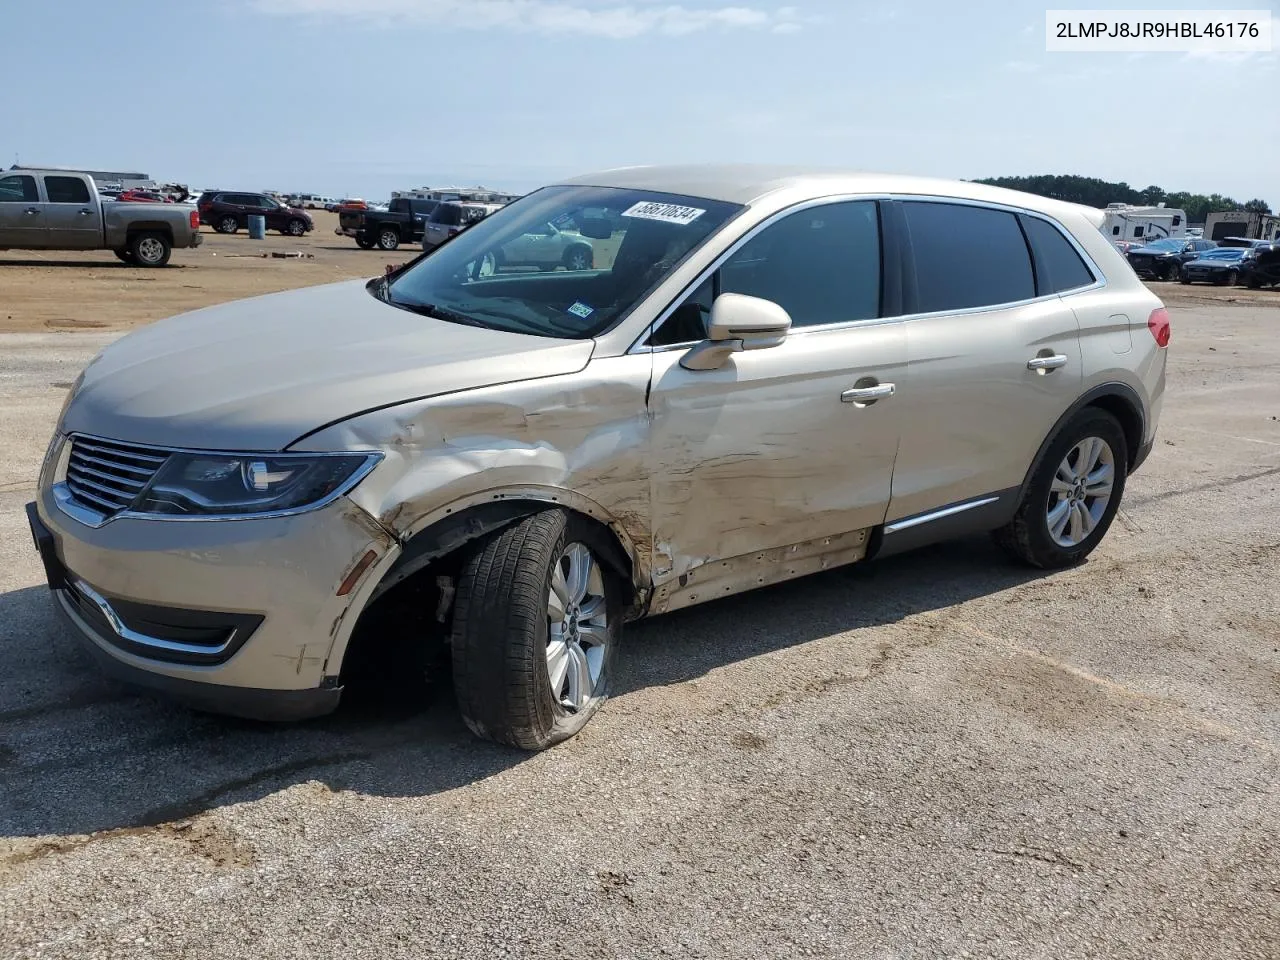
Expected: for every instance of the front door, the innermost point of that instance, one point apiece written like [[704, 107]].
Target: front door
[[73, 216], [775, 448], [22, 217]]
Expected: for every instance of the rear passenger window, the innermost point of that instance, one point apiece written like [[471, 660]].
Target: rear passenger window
[[967, 257], [822, 264], [66, 190], [1058, 266]]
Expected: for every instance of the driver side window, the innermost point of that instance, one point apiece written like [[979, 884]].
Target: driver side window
[[822, 265]]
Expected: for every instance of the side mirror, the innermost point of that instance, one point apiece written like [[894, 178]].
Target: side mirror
[[738, 323]]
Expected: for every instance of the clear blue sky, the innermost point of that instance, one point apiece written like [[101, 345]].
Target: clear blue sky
[[363, 96]]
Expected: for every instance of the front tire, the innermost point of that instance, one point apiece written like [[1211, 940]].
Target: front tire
[[535, 631], [578, 258], [227, 225], [388, 239], [1174, 272], [1073, 495], [296, 228]]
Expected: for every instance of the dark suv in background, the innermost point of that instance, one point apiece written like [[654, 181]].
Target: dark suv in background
[[1163, 259], [227, 211]]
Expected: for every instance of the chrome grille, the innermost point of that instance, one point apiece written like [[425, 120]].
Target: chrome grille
[[106, 476]]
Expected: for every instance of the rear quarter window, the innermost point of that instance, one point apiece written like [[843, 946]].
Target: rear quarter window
[[967, 257], [1058, 266]]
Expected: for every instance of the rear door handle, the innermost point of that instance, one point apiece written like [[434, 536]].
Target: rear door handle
[[1046, 364], [880, 391]]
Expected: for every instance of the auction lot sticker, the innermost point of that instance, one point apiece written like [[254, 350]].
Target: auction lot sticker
[[1158, 31], [666, 212]]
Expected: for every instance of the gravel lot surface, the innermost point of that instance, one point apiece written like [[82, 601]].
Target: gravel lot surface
[[940, 755]]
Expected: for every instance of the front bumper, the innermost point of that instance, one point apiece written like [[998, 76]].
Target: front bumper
[[132, 587]]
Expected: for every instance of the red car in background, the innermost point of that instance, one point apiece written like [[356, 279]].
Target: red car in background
[[144, 196]]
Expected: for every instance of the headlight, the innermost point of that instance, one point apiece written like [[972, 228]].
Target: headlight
[[206, 484]]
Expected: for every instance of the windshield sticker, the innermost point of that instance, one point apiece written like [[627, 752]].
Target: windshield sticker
[[580, 309], [665, 212], [563, 220]]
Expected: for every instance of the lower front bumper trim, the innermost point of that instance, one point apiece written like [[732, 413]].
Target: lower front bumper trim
[[251, 703]]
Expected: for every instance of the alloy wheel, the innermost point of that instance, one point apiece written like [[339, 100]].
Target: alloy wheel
[[1080, 491], [577, 627], [150, 250]]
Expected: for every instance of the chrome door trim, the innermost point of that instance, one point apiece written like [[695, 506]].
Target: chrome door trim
[[908, 522]]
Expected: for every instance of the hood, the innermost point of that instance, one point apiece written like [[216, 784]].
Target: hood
[[258, 374]]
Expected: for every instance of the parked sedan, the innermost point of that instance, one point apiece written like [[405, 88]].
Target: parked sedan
[[1220, 266], [546, 247], [1163, 259]]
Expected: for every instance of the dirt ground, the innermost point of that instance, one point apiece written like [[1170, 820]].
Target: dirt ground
[[940, 755], [53, 290]]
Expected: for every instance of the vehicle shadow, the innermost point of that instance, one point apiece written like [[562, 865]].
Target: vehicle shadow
[[79, 754], [113, 264]]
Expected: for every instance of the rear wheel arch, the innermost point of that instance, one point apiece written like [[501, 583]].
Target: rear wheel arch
[[1118, 399]]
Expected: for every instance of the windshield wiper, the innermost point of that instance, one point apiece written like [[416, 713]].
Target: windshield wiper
[[436, 313]]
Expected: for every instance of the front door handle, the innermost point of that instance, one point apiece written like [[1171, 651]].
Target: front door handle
[[86, 213], [1045, 364], [880, 391], [31, 211]]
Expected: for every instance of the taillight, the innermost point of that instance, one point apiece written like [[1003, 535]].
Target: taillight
[[195, 219], [1158, 324]]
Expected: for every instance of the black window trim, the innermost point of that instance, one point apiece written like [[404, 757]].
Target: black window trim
[[898, 262]]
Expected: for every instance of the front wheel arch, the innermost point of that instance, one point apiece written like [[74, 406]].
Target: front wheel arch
[[459, 530]]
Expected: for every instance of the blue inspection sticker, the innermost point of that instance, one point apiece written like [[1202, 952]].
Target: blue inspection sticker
[[580, 309]]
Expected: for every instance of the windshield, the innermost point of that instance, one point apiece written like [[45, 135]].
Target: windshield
[[610, 248], [1176, 245], [1231, 253]]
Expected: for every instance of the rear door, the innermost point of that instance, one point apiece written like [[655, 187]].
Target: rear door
[[73, 216], [993, 361], [22, 213]]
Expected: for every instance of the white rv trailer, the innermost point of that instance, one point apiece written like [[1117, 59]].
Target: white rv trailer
[[478, 194], [1241, 223], [1127, 222]]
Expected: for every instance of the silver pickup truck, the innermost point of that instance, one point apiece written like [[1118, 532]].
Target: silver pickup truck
[[61, 210]]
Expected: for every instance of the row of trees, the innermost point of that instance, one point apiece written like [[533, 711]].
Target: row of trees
[[1098, 193]]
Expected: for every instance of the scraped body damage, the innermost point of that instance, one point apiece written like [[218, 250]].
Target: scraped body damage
[[710, 492]]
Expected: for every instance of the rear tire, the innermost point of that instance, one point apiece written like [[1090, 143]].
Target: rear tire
[[364, 243], [1062, 516], [150, 249], [509, 636], [125, 255]]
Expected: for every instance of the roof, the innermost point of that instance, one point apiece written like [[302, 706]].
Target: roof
[[748, 183]]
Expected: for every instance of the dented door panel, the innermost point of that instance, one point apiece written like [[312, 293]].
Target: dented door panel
[[762, 453]]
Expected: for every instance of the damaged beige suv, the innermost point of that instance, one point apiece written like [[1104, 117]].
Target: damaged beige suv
[[762, 374]]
